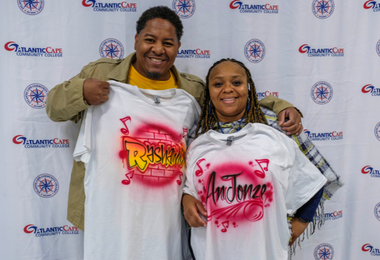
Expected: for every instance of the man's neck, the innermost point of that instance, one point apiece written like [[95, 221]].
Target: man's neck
[[135, 78]]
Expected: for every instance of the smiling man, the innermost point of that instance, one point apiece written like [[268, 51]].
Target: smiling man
[[157, 41], [156, 48]]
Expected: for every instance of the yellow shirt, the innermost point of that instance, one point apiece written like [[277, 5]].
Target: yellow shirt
[[140, 81]]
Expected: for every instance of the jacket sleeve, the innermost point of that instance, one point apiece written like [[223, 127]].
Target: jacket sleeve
[[276, 104], [65, 101], [308, 210]]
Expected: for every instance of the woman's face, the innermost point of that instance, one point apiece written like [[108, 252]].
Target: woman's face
[[228, 91]]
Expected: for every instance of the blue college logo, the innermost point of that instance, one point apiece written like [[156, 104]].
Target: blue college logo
[[321, 92], [370, 249], [35, 95], [45, 185], [261, 95], [368, 169], [370, 4], [110, 7], [369, 88], [41, 143], [111, 48], [321, 52], [194, 53], [254, 50], [324, 252], [51, 231], [327, 136], [33, 51], [332, 215], [377, 131], [31, 7], [322, 9], [247, 8], [184, 8]]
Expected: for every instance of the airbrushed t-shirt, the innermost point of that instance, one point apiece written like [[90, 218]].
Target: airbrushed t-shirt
[[248, 188], [133, 147]]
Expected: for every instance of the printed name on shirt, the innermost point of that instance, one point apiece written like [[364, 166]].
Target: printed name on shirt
[[241, 189], [155, 153]]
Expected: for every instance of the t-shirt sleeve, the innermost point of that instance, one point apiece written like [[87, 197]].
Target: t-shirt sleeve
[[304, 181], [82, 151], [191, 135], [189, 187], [192, 157]]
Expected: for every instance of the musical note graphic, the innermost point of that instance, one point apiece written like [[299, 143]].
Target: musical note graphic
[[128, 180], [179, 181], [184, 132], [125, 130], [200, 171], [225, 224], [265, 163]]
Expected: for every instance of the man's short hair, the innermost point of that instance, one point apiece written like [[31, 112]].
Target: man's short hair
[[162, 12]]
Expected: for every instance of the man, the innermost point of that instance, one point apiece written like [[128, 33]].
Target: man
[[157, 42]]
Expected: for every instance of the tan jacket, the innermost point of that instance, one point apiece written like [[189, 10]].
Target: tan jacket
[[65, 102]]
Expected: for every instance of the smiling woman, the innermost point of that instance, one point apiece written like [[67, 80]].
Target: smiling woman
[[228, 91], [230, 96], [244, 176]]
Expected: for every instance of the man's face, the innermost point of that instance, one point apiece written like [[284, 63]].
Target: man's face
[[156, 49]]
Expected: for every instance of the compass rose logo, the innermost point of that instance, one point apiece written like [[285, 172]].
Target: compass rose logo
[[321, 92], [324, 252], [184, 8], [45, 185], [377, 211], [323, 9], [111, 48], [378, 48], [31, 7], [377, 134], [35, 95], [254, 50]]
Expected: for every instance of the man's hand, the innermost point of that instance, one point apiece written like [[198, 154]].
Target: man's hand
[[298, 227], [294, 125], [191, 208], [95, 92]]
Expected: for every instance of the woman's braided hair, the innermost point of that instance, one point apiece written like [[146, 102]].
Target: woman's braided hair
[[208, 117]]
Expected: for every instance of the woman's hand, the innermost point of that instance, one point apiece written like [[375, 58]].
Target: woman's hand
[[192, 208], [298, 227], [294, 125]]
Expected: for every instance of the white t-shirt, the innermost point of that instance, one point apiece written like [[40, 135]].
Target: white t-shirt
[[248, 188], [133, 149]]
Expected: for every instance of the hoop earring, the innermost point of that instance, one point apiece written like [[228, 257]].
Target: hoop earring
[[209, 107], [249, 104]]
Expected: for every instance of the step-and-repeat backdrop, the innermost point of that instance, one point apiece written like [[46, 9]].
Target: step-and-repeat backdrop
[[321, 55]]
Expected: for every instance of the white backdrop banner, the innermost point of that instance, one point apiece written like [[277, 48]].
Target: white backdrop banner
[[321, 55]]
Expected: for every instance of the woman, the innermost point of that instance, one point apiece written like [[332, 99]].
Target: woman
[[248, 179]]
